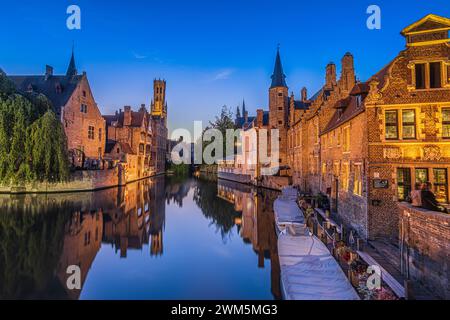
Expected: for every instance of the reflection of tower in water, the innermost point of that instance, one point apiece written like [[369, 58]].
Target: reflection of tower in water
[[138, 219], [257, 223]]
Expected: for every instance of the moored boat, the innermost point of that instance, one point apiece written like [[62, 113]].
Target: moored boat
[[309, 271]]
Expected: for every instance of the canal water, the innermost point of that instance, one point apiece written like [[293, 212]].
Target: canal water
[[162, 238]]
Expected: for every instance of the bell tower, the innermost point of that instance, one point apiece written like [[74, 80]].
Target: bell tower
[[159, 106], [279, 107]]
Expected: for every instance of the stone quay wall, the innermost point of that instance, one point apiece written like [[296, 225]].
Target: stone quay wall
[[79, 181]]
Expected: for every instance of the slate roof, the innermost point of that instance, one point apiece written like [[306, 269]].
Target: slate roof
[[240, 121], [348, 108], [278, 77], [382, 75], [72, 69], [301, 105], [58, 89]]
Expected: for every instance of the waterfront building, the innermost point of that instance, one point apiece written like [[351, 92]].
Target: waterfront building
[[129, 139], [74, 103], [364, 145], [139, 139], [380, 137]]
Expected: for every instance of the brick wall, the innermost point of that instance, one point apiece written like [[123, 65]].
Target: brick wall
[[77, 123], [425, 236], [79, 181]]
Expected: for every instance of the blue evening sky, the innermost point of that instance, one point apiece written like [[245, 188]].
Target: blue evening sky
[[212, 53]]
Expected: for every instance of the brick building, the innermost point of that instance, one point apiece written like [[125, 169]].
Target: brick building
[[365, 144], [74, 103], [140, 139], [129, 139]]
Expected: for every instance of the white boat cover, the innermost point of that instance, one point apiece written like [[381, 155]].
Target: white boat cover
[[289, 193], [309, 271], [287, 212]]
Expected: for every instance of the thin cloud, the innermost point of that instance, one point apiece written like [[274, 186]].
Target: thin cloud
[[223, 75], [139, 56]]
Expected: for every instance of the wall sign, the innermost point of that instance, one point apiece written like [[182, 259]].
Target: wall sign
[[380, 184]]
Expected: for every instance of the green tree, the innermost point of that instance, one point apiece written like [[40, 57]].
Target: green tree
[[15, 118], [6, 86], [32, 141], [222, 122], [48, 146]]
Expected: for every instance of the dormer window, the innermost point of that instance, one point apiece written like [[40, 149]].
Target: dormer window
[[420, 75], [435, 75], [358, 101], [427, 75], [58, 88]]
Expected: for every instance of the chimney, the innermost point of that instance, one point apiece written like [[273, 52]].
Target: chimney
[[259, 118], [330, 76], [304, 94], [142, 107], [48, 71], [127, 116], [348, 79]]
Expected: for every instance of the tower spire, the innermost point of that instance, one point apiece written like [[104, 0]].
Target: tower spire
[[243, 107], [278, 77], [72, 69]]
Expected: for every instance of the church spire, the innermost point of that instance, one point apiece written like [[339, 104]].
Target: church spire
[[243, 107], [72, 69], [278, 77]]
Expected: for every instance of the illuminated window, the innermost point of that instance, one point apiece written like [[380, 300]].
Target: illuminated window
[[346, 139], [357, 182], [345, 176], [409, 124], [422, 175], [91, 133], [391, 121], [440, 185], [446, 123], [403, 183], [336, 169]]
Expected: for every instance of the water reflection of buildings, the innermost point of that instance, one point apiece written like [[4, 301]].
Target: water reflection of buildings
[[257, 223], [138, 218], [74, 227], [177, 191], [82, 241]]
